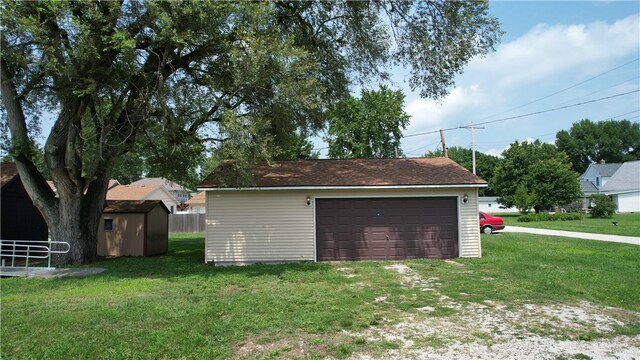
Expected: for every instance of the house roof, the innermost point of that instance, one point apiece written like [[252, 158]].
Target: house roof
[[8, 171], [199, 198], [587, 187], [604, 170], [169, 185], [132, 206], [627, 178], [131, 192], [353, 173]]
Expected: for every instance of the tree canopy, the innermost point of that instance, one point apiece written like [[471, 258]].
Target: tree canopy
[[369, 127], [535, 171], [589, 142], [179, 78], [485, 164]]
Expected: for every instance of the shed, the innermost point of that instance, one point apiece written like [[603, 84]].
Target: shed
[[21, 220], [355, 209], [133, 228]]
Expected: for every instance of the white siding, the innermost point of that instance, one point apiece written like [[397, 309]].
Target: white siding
[[252, 226], [628, 202], [168, 200]]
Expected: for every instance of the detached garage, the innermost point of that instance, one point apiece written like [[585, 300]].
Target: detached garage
[[357, 209]]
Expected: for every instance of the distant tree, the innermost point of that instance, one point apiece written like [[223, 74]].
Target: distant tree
[[297, 147], [524, 199], [485, 164], [603, 206], [542, 170], [588, 142], [369, 127]]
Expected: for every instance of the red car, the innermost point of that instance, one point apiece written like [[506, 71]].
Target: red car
[[489, 224]]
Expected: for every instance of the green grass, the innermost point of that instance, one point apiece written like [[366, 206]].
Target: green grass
[[175, 306], [628, 224]]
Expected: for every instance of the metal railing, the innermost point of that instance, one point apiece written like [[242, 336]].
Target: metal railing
[[30, 249]]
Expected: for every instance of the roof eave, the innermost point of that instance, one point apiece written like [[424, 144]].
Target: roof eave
[[349, 187]]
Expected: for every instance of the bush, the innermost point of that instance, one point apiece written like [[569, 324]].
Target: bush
[[603, 206], [549, 217]]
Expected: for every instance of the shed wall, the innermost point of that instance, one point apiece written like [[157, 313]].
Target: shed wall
[[157, 241], [249, 226], [127, 237]]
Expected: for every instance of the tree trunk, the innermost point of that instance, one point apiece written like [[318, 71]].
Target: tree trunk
[[72, 228]]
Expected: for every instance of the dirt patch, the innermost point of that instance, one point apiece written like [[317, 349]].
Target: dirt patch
[[491, 330]]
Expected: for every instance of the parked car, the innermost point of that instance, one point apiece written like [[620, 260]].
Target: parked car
[[489, 224]]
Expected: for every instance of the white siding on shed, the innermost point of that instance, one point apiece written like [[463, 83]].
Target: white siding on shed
[[250, 226]]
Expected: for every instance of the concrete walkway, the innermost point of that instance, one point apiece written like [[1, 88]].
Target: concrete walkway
[[50, 272], [572, 234]]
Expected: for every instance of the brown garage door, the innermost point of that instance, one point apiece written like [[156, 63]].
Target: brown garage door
[[386, 228]]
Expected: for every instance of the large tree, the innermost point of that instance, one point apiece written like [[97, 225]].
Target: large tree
[[368, 127], [589, 142], [538, 171], [485, 164], [238, 77]]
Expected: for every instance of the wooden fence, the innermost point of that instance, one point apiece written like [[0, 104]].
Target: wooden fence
[[183, 223]]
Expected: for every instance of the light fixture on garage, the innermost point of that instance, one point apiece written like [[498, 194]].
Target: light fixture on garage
[[308, 200], [465, 198]]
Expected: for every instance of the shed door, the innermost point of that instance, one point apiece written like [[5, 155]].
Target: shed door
[[386, 228]]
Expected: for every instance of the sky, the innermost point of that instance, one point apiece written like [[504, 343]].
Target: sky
[[553, 54]]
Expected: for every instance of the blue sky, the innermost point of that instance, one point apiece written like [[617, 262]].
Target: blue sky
[[548, 46]]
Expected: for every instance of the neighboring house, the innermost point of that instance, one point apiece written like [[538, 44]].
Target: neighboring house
[[624, 187], [21, 220], [179, 192], [599, 174], [588, 189], [489, 204], [197, 203], [356, 209], [133, 228], [143, 192]]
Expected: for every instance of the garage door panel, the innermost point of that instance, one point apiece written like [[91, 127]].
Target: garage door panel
[[386, 228]]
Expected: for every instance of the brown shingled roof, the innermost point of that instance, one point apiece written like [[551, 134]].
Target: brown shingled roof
[[8, 171], [130, 192], [198, 198], [354, 172], [132, 206]]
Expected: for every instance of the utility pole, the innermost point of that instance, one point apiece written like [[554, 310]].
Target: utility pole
[[444, 145], [473, 144]]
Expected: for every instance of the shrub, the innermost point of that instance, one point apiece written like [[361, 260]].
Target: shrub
[[603, 206], [549, 217]]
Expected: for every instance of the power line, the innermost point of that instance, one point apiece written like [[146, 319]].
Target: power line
[[527, 114], [565, 89]]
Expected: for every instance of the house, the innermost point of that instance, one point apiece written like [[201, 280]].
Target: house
[[355, 209], [490, 204], [197, 203], [179, 192], [624, 187], [143, 192], [133, 228], [599, 174], [21, 220]]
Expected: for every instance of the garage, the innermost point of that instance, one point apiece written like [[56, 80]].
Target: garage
[[342, 210], [386, 228]]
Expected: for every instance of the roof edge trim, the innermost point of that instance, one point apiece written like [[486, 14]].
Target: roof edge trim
[[370, 187]]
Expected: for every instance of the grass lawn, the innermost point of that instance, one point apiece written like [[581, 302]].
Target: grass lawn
[[175, 306], [628, 224]]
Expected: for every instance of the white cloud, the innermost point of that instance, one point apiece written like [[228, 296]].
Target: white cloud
[[547, 51], [544, 60]]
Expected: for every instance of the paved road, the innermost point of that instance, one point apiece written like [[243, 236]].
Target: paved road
[[580, 235]]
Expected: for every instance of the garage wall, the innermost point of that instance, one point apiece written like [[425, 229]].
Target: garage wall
[[252, 226]]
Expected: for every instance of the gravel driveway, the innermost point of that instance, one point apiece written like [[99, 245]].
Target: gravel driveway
[[492, 330]]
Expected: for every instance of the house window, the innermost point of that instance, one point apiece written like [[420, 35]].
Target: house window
[[171, 209], [108, 224], [597, 181]]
